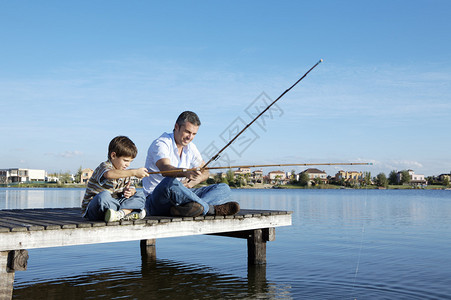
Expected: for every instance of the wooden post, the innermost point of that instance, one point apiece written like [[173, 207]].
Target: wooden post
[[256, 277], [10, 261], [256, 245], [256, 242], [6, 277], [148, 249]]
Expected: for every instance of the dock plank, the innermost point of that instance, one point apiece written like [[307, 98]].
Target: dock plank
[[40, 228]]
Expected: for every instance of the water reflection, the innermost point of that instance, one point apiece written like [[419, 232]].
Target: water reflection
[[344, 244], [11, 198], [350, 207], [157, 279]]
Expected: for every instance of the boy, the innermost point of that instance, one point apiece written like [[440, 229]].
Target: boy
[[108, 194]]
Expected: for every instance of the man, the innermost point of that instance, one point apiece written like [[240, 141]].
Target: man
[[173, 193]]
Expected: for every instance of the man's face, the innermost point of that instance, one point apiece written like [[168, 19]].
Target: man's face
[[185, 133]]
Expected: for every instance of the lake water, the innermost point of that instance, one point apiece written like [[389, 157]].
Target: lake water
[[343, 244]]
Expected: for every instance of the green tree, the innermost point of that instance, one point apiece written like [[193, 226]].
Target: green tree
[[278, 179], [304, 179], [293, 176], [224, 180], [317, 180], [405, 177], [381, 180], [367, 178], [446, 181], [65, 177], [78, 175], [230, 176], [393, 177]]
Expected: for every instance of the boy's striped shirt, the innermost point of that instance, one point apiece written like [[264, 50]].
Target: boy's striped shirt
[[98, 183]]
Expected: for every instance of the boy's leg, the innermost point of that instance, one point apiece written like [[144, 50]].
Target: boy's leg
[[135, 202], [171, 192], [99, 205]]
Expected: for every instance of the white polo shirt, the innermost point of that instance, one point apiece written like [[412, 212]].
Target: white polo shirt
[[165, 147]]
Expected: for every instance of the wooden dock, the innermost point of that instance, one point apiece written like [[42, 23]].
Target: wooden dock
[[22, 229]]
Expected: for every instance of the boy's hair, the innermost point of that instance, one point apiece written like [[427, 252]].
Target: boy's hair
[[122, 146], [188, 116]]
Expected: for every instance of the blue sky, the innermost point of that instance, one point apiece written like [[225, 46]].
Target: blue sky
[[75, 74]]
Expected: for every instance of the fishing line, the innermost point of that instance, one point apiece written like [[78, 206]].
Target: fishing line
[[361, 246]]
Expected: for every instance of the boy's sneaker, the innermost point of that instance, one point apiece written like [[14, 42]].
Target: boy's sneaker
[[227, 209], [113, 216], [135, 215], [190, 209]]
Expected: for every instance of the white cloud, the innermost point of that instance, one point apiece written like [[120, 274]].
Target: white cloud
[[66, 154]]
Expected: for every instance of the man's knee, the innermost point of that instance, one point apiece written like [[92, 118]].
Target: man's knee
[[224, 187], [163, 188]]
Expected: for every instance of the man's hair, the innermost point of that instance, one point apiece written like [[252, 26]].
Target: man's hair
[[188, 116], [122, 146]]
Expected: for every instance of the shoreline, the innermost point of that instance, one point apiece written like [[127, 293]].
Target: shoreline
[[260, 186]]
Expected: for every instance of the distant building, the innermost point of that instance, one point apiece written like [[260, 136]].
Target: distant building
[[443, 177], [222, 175], [85, 175], [17, 175], [277, 177], [415, 179], [315, 173], [257, 176], [242, 171], [52, 179], [348, 175]]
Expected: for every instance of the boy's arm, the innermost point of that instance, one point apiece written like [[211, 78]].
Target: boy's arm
[[116, 174]]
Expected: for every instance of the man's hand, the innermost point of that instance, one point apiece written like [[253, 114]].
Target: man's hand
[[193, 175], [189, 183]]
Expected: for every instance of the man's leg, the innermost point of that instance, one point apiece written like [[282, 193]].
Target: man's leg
[[171, 192], [218, 196], [214, 194]]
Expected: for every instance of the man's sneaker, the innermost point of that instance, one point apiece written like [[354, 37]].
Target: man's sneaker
[[135, 215], [190, 209], [112, 216], [227, 209]]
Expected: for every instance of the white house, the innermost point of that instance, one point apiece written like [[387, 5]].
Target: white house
[[16, 175], [415, 179], [316, 173]]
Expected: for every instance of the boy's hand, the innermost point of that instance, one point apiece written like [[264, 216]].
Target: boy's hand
[[141, 173], [129, 191]]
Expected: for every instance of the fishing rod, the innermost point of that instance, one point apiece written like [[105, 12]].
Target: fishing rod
[[215, 157], [259, 166]]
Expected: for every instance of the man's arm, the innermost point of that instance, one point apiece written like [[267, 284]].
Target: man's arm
[[194, 177], [116, 174]]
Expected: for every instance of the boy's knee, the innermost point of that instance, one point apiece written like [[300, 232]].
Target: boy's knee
[[103, 196], [140, 194]]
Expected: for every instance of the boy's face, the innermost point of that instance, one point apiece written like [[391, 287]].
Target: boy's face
[[120, 162]]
